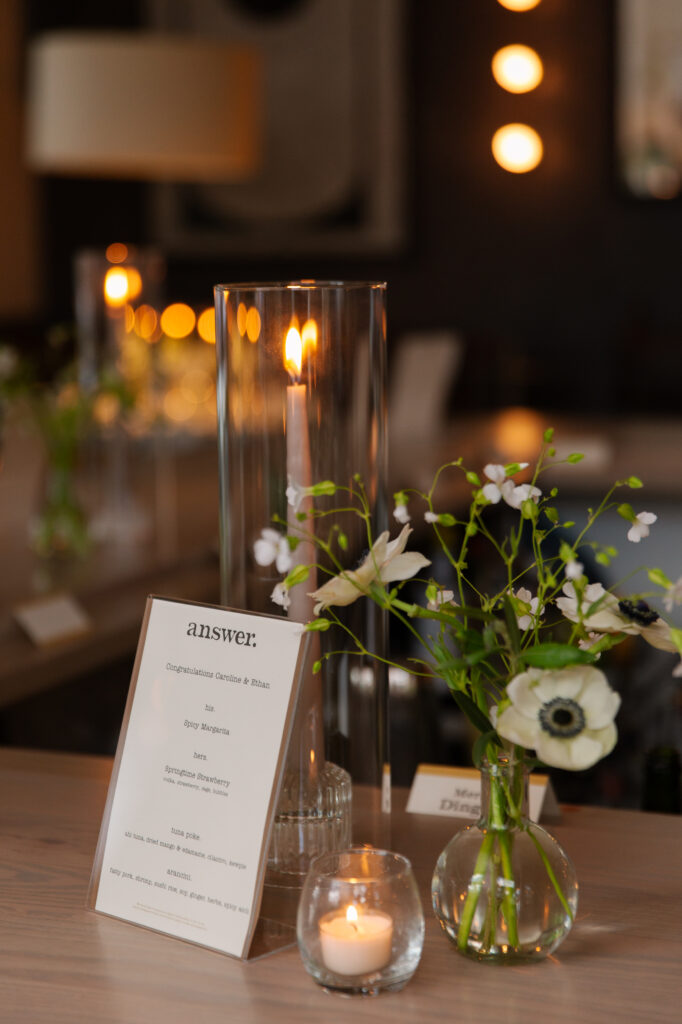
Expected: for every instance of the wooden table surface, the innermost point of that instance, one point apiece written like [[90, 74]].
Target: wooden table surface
[[63, 964]]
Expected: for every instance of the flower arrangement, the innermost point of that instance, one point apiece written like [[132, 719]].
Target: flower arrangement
[[520, 662]]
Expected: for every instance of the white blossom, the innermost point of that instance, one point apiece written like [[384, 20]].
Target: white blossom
[[431, 517], [527, 618], [609, 615], [280, 595], [573, 569], [387, 562], [566, 715], [640, 527], [401, 514], [442, 597], [502, 487], [271, 547], [295, 493]]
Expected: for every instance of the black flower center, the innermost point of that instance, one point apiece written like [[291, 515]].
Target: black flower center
[[562, 718], [638, 611]]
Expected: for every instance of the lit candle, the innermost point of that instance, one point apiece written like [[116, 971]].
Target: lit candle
[[356, 943], [299, 471]]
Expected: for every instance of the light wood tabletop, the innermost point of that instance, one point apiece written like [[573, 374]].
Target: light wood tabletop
[[63, 964]]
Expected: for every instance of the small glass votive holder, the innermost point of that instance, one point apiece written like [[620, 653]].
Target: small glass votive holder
[[360, 924]]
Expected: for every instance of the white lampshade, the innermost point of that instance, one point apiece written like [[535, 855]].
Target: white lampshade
[[143, 105]]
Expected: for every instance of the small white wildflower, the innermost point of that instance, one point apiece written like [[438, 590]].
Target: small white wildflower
[[515, 496], [280, 595], [589, 641], [442, 597], [401, 514], [527, 619], [673, 595], [431, 517], [573, 569], [495, 473], [271, 547], [295, 493], [640, 527]]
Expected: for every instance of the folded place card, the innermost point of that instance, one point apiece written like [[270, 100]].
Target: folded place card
[[185, 834], [47, 620], [456, 793]]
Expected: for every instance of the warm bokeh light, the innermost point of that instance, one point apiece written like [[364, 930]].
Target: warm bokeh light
[[241, 319], [519, 5], [351, 914], [146, 322], [134, 282], [517, 148], [106, 409], [293, 353], [176, 405], [178, 320], [517, 434], [253, 325], [116, 286], [117, 252], [309, 334], [517, 68], [206, 325]]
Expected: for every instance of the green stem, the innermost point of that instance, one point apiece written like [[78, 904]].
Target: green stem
[[550, 874], [476, 883]]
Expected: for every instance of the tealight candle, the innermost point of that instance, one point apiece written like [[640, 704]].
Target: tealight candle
[[356, 943]]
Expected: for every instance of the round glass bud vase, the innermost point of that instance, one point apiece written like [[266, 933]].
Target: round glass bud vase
[[503, 888], [360, 923]]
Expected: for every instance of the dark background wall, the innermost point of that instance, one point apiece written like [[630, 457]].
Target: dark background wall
[[566, 289]]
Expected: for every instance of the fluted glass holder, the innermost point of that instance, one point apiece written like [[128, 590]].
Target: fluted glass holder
[[360, 924], [301, 399]]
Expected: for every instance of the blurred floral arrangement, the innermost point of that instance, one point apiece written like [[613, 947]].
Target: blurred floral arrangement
[[48, 396]]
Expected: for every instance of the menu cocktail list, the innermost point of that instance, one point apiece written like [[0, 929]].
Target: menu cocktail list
[[183, 842]]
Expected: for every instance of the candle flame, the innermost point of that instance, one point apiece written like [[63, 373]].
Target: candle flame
[[351, 914], [309, 334], [293, 353]]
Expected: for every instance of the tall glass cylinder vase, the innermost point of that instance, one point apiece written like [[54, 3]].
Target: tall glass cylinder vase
[[301, 399]]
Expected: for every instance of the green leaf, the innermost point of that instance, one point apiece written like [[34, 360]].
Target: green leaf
[[320, 625], [343, 541], [512, 625], [553, 493], [316, 667], [568, 523], [566, 552], [575, 457], [478, 750], [552, 515], [554, 656], [473, 478], [548, 435], [472, 711], [627, 512], [634, 482], [659, 577], [603, 558]]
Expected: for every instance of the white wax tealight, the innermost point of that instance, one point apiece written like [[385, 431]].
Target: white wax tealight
[[356, 942]]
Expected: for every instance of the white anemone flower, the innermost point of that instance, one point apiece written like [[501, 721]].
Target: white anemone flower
[[280, 595], [271, 547], [640, 526], [527, 618], [441, 597], [387, 562], [566, 715], [613, 616]]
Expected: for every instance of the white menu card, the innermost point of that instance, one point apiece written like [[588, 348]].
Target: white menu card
[[184, 839]]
